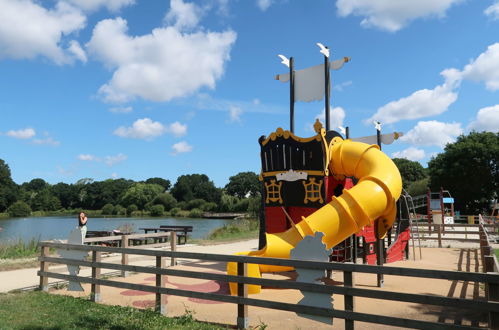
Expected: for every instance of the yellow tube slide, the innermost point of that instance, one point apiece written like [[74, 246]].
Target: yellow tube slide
[[373, 198]]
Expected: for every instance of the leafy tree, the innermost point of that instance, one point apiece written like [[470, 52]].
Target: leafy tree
[[43, 200], [469, 169], [194, 186], [228, 203], [409, 170], [8, 188], [157, 210], [130, 209], [66, 193], [254, 205], [166, 184], [243, 183], [165, 199], [108, 209], [195, 204], [19, 209], [35, 185], [140, 194], [419, 187]]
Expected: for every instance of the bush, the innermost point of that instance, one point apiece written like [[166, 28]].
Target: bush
[[108, 209], [130, 209], [136, 214], [209, 207], [174, 211], [19, 209], [119, 210], [195, 204], [165, 199], [254, 205], [157, 210], [196, 213], [182, 205]]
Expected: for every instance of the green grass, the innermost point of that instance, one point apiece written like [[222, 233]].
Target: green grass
[[39, 310], [497, 253], [241, 229], [19, 249]]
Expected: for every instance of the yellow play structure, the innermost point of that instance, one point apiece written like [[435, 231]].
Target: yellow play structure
[[372, 199]]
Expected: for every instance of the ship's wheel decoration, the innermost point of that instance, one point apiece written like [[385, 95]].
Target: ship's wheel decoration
[[313, 191], [273, 192]]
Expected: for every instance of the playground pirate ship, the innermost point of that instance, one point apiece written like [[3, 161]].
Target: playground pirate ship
[[308, 182]]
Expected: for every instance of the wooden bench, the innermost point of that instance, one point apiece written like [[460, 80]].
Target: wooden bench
[[182, 232]]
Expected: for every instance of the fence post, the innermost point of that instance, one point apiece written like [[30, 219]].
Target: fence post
[[348, 281], [44, 281], [95, 291], [439, 231], [124, 256], [242, 291], [160, 279], [493, 295], [173, 246]]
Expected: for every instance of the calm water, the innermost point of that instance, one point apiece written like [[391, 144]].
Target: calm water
[[45, 228]]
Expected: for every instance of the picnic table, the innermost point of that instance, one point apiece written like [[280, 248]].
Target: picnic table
[[181, 231], [106, 233]]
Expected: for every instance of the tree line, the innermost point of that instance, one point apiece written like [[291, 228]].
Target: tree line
[[191, 195], [467, 168]]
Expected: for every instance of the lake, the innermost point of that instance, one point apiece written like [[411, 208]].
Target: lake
[[45, 228]]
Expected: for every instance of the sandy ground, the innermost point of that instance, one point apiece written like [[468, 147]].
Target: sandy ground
[[465, 259]]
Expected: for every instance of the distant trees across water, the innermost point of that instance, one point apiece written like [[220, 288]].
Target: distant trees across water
[[191, 196]]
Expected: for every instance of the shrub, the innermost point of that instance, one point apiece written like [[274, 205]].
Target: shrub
[[157, 210], [165, 199], [195, 213], [130, 209], [195, 204], [19, 209], [174, 211], [182, 205], [108, 209], [136, 214], [119, 210], [209, 207]]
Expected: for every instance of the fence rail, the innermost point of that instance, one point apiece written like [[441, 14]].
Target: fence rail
[[348, 290]]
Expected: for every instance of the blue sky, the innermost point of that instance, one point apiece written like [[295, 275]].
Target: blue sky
[[136, 89]]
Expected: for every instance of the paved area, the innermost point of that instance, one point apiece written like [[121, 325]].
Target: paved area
[[433, 258]]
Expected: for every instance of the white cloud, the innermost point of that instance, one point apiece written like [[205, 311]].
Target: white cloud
[[47, 141], [162, 65], [432, 133], [235, 114], [87, 157], [487, 119], [93, 5], [177, 129], [28, 30], [183, 15], [263, 4], [341, 86], [141, 129], [493, 11], [181, 147], [77, 51], [422, 103], [26, 133], [410, 153], [113, 160], [392, 15], [121, 109], [485, 68], [336, 117]]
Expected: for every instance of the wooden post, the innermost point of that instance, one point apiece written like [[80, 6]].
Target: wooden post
[[348, 281], [173, 246], [380, 251], [44, 281], [95, 293], [493, 295], [439, 233], [124, 256], [160, 282], [242, 291]]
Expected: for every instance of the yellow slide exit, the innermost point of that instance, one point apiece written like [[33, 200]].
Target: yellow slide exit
[[373, 198]]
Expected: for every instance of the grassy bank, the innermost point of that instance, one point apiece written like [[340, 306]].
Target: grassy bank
[[241, 229], [38, 310], [19, 249]]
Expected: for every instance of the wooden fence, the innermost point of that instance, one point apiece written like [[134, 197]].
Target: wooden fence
[[348, 289], [452, 232]]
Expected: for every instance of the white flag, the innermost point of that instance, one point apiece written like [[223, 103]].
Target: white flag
[[309, 82]]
